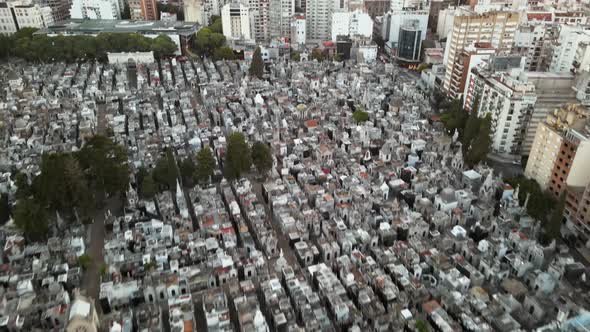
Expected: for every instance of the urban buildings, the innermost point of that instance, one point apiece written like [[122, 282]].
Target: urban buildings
[[410, 42], [280, 13], [318, 18], [508, 97], [236, 21], [259, 20], [553, 153], [17, 15], [143, 10], [180, 32], [534, 40], [298, 30], [496, 28], [412, 15], [194, 11], [95, 9], [351, 24]]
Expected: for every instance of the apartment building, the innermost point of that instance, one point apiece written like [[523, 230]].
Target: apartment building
[[509, 98], [564, 51], [143, 10], [406, 14], [496, 28], [236, 21], [554, 155], [351, 24], [260, 20], [318, 15], [95, 9], [17, 15], [280, 14], [534, 39]]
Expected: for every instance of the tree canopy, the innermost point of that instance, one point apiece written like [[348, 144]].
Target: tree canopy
[[224, 53], [552, 226], [166, 173], [187, 171], [455, 117], [317, 54], [237, 157], [540, 203], [105, 163], [480, 145], [360, 116], [261, 157], [31, 218], [205, 165], [257, 65], [25, 45]]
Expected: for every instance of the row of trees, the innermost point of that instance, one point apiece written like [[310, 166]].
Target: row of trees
[[239, 158], [211, 42], [70, 183], [474, 132], [541, 205], [166, 173], [24, 44]]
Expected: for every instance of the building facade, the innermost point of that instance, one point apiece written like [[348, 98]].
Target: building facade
[[298, 30], [95, 9], [565, 49], [551, 157], [496, 28], [318, 16], [235, 18], [16, 15], [145, 10], [509, 99], [279, 15], [352, 24]]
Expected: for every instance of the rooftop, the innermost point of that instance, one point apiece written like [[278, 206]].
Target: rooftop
[[82, 26]]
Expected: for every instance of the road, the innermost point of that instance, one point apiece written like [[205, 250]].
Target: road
[[96, 234]]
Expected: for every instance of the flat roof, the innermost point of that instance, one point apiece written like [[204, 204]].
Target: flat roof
[[86, 26]]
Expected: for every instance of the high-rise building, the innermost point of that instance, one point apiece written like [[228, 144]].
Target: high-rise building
[[508, 98], [472, 56], [235, 18], [143, 10], [566, 47], [554, 161], [259, 20], [95, 9], [496, 28], [60, 9], [401, 13], [280, 14], [318, 16], [410, 41], [376, 7], [534, 39], [298, 30], [194, 11], [17, 15], [352, 24]]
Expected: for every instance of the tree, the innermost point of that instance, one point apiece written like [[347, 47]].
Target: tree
[[224, 53], [455, 118], [163, 46], [85, 261], [261, 157], [105, 164], [126, 15], [205, 165], [552, 227], [4, 209], [237, 158], [257, 65], [471, 126], [539, 204], [216, 26], [317, 54], [206, 41], [77, 191], [166, 173], [360, 116], [148, 188], [24, 189], [31, 219], [187, 171], [421, 326], [295, 56], [480, 146]]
